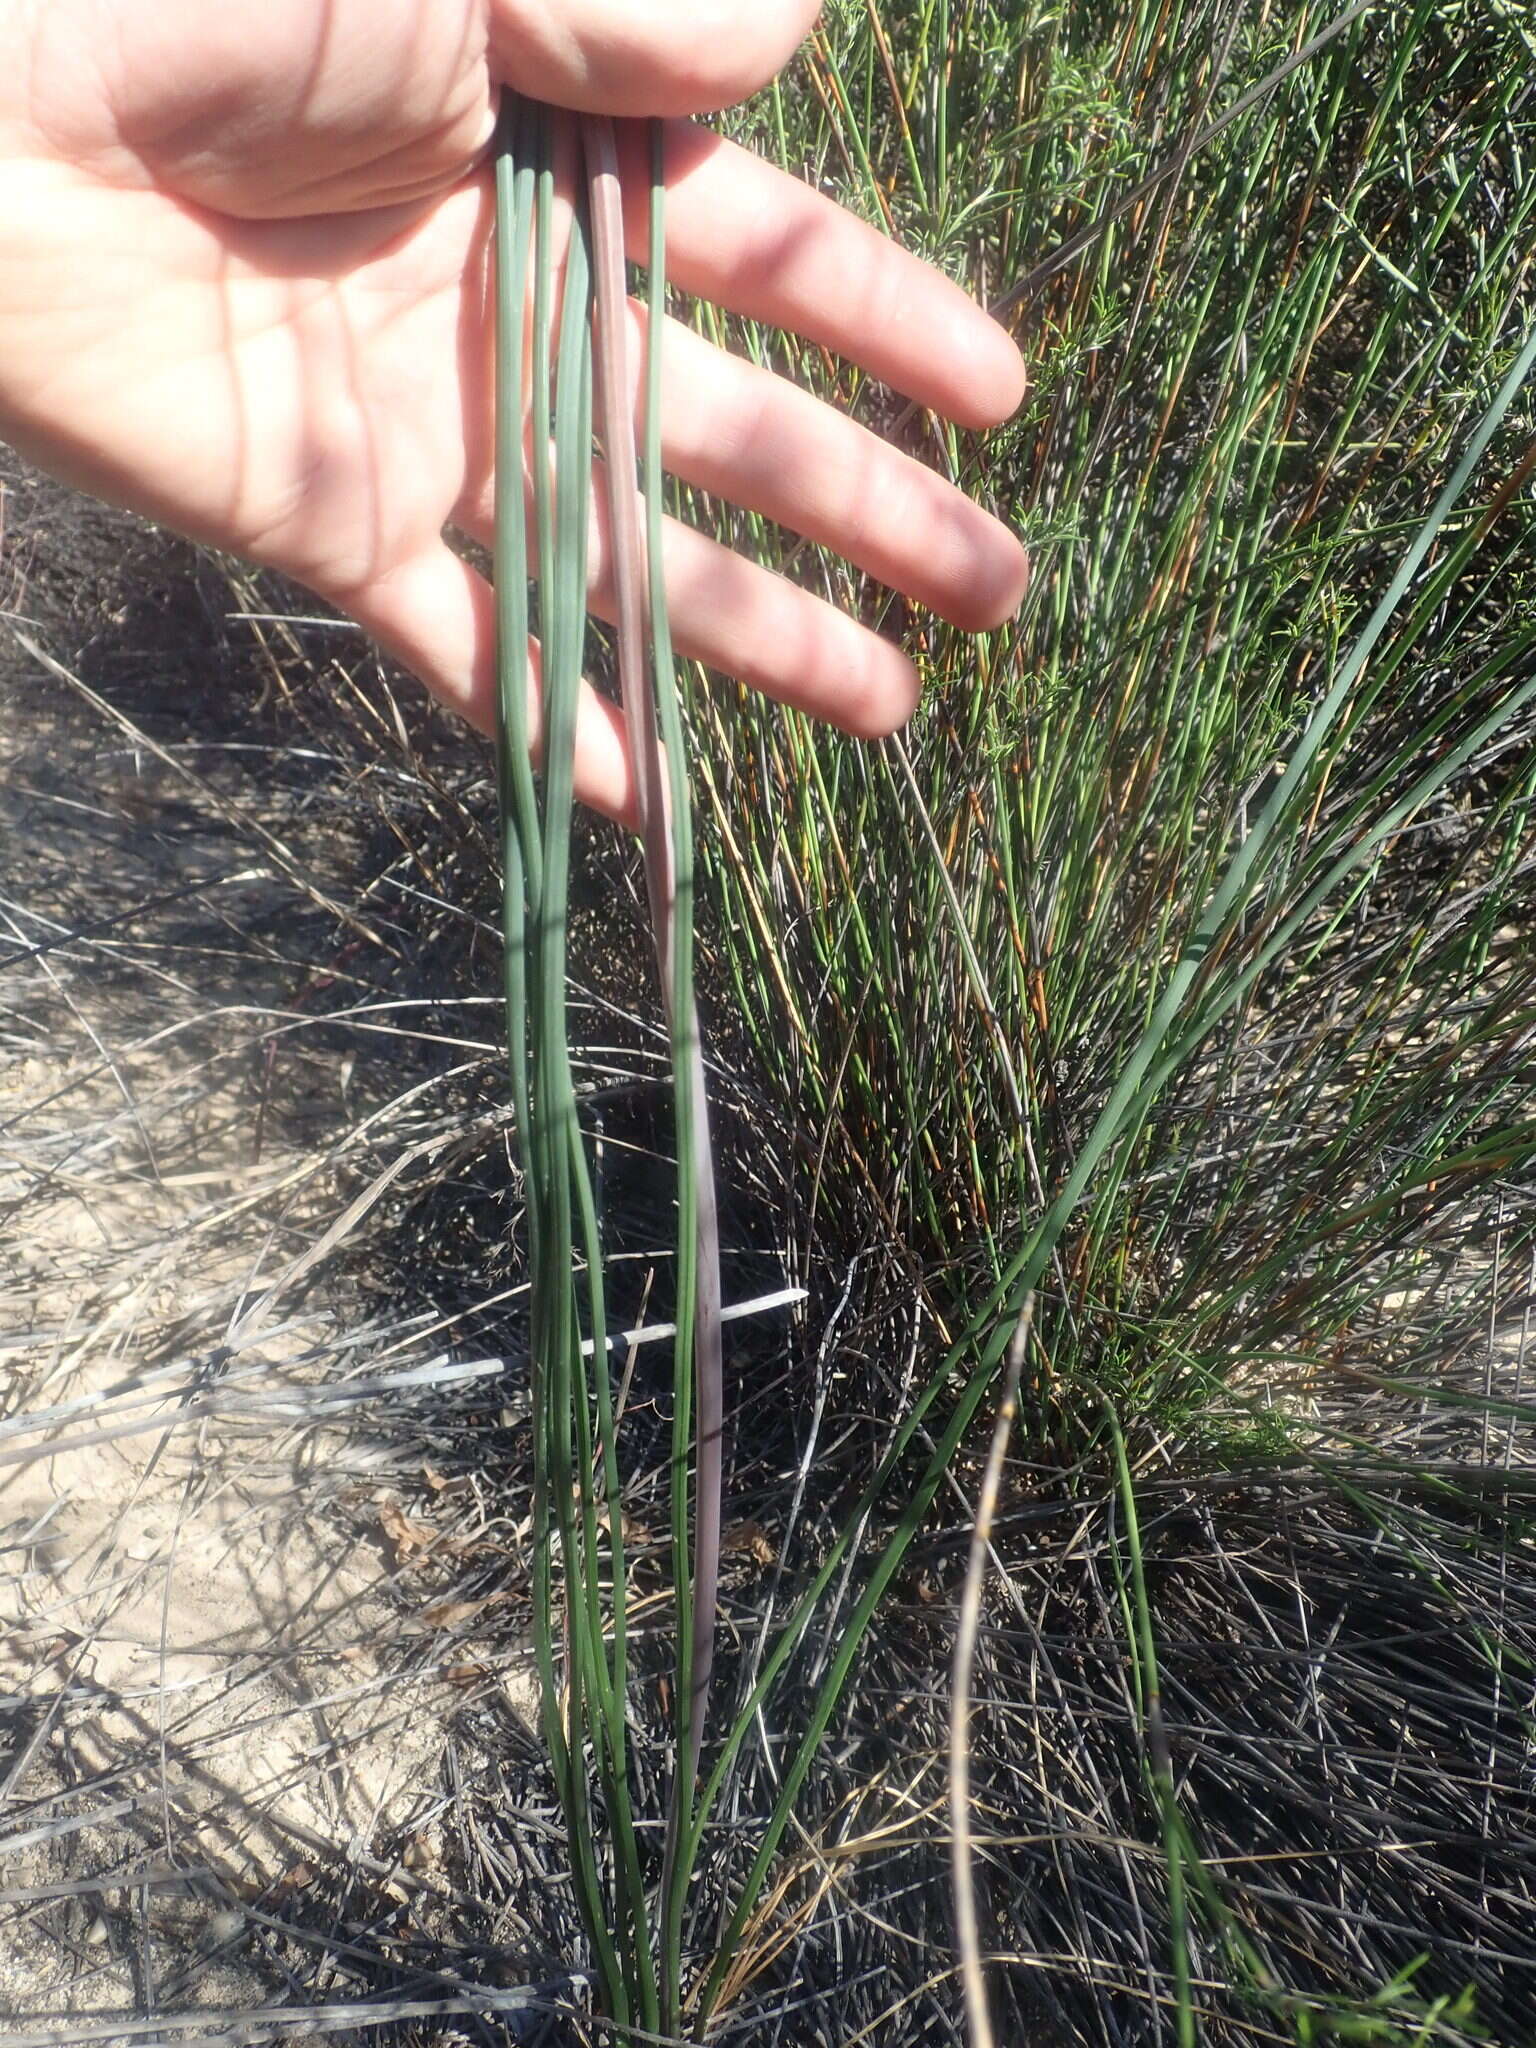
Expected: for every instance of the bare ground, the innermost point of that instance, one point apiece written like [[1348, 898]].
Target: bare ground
[[242, 1606]]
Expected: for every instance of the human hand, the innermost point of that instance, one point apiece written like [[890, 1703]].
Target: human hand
[[243, 289]]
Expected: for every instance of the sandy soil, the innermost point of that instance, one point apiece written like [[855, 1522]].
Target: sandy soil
[[228, 1654]]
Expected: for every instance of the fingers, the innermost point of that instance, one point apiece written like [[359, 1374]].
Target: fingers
[[437, 615], [644, 57], [743, 434], [768, 633], [753, 239], [739, 618]]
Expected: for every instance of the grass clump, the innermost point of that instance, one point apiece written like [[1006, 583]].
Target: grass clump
[[1216, 867], [1172, 974], [1167, 975]]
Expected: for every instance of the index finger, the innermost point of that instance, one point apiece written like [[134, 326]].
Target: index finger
[[750, 238]]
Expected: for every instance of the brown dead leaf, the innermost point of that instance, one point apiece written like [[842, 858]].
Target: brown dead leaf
[[410, 1538], [452, 1613], [405, 1536], [470, 1673], [630, 1531], [419, 1853], [752, 1538]]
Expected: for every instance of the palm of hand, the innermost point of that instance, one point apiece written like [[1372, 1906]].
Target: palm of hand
[[247, 294]]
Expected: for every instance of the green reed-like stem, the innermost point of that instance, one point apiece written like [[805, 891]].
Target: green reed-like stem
[[697, 1349], [536, 848], [577, 1470]]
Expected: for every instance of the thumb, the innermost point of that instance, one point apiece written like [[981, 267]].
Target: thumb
[[644, 57]]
